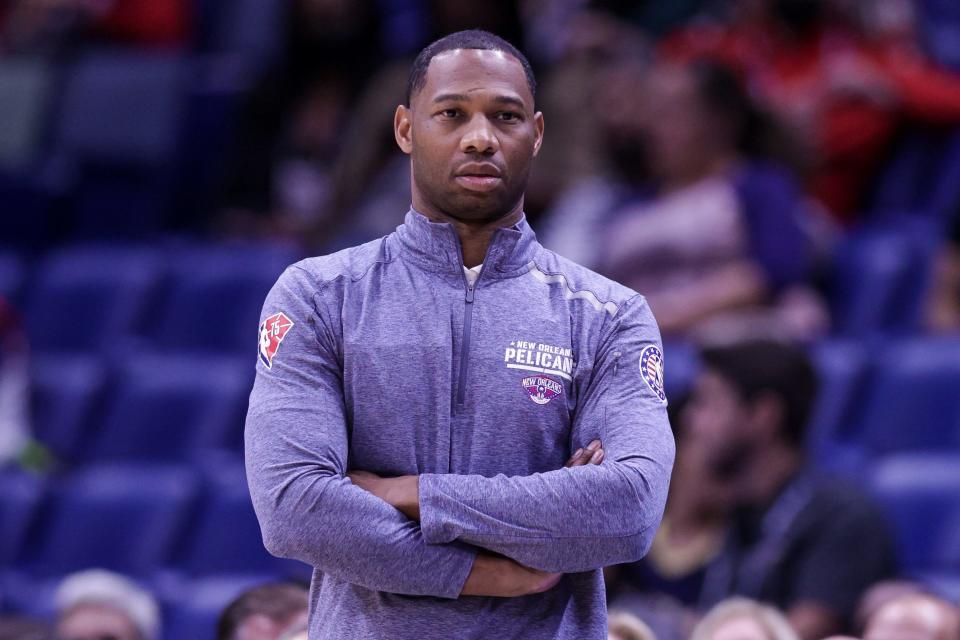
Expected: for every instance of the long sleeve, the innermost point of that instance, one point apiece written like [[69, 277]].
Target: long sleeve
[[296, 453], [582, 518]]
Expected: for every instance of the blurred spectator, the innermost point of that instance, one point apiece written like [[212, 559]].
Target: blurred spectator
[[51, 26], [719, 246], [289, 134], [807, 544], [839, 75], [268, 612], [943, 300], [97, 604], [14, 385], [665, 586], [880, 594], [624, 626], [17, 628], [743, 619], [372, 177], [914, 617]]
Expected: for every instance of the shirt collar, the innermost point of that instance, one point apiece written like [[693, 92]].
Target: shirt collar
[[436, 247]]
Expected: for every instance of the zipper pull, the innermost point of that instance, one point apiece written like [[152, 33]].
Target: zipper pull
[[469, 296]]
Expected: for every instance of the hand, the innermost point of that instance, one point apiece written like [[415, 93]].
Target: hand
[[503, 578], [402, 492], [593, 454]]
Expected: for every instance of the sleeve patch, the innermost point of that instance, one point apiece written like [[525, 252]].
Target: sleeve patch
[[272, 332], [651, 370]]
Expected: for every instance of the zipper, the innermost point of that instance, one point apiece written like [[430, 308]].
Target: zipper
[[465, 343]]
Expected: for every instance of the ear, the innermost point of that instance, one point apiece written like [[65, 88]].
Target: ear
[[401, 129], [538, 131], [767, 414]]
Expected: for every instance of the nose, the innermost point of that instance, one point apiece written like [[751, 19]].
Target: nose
[[479, 137]]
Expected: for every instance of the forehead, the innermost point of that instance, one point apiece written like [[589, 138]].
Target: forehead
[[476, 71]]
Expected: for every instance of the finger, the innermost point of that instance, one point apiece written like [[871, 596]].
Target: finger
[[576, 459], [593, 446], [597, 457]]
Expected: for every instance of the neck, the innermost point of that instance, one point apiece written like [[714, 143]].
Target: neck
[[474, 235]]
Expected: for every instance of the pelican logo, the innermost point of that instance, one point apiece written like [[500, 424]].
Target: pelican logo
[[541, 389]]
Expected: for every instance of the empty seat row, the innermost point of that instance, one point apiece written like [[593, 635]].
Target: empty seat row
[[921, 496], [188, 298], [143, 406], [885, 396], [137, 520]]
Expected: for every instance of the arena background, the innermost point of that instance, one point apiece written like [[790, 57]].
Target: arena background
[[162, 161]]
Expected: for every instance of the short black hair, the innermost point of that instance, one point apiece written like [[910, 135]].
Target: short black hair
[[280, 601], [767, 366], [470, 39]]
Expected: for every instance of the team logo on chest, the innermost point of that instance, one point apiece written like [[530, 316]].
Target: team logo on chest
[[542, 390], [272, 332]]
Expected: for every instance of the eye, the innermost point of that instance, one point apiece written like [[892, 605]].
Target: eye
[[448, 113], [509, 116]]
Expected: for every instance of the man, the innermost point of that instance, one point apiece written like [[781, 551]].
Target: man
[[811, 546], [97, 604], [268, 612], [916, 616], [453, 366]]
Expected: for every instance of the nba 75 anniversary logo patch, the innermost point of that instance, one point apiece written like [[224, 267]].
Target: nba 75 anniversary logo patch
[[272, 332], [651, 370], [542, 389]]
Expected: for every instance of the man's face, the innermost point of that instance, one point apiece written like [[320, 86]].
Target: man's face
[[472, 134], [719, 421]]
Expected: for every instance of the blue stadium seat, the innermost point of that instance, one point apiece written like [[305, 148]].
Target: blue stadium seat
[[944, 583], [121, 518], [880, 278], [121, 121], [225, 536], [66, 392], [12, 276], [172, 408], [213, 302], [21, 494], [940, 30], [841, 370], [921, 494], [86, 299], [29, 596], [681, 366], [923, 177], [26, 86], [249, 30], [912, 402]]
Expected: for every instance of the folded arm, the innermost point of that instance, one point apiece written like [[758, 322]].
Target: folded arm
[[576, 518], [296, 451]]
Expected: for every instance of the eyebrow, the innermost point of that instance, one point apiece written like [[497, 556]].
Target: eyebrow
[[460, 97]]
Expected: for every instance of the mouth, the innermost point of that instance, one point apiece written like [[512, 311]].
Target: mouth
[[478, 183], [479, 177]]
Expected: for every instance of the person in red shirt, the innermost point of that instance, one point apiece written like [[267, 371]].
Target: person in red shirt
[[840, 83]]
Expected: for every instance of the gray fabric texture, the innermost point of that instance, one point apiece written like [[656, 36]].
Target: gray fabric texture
[[394, 365]]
